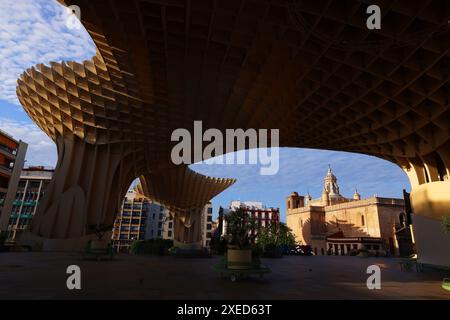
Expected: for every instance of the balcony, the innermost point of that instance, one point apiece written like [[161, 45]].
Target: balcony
[[7, 152], [5, 170], [25, 203], [22, 216]]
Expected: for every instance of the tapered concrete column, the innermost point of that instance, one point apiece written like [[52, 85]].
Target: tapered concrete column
[[87, 187], [187, 227], [430, 202]]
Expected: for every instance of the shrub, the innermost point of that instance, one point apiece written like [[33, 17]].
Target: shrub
[[272, 239], [363, 252], [446, 223], [99, 229], [218, 244], [172, 250], [152, 246], [273, 250]]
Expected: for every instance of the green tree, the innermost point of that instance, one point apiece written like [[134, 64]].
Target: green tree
[[241, 227], [276, 235]]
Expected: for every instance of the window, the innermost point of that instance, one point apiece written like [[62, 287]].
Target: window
[[208, 226], [169, 233], [159, 233], [170, 225], [209, 218], [159, 225], [209, 210], [363, 222]]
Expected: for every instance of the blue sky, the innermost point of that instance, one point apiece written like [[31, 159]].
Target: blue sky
[[34, 31]]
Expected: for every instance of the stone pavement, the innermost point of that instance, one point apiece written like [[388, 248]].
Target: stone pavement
[[42, 275]]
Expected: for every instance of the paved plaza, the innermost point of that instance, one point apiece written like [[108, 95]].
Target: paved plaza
[[39, 275]]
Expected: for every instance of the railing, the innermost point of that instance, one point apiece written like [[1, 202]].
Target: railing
[[25, 203], [8, 150], [5, 169], [21, 216]]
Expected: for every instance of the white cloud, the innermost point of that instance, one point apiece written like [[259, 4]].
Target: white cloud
[[41, 149], [32, 32], [303, 170]]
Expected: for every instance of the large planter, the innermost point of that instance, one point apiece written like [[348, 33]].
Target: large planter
[[239, 259]]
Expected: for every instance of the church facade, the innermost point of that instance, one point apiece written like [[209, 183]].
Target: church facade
[[334, 224]]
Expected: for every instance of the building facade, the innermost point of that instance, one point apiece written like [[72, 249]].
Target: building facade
[[12, 158], [264, 216], [334, 224], [130, 224], [159, 222], [207, 224], [30, 190], [140, 218]]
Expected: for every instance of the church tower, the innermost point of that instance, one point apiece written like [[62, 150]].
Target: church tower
[[294, 201], [331, 187]]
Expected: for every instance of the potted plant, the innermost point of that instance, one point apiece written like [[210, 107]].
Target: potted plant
[[241, 229]]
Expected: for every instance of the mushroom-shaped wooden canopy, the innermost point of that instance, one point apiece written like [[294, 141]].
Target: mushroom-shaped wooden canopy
[[309, 68]]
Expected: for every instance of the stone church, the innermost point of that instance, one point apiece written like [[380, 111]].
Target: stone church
[[334, 224]]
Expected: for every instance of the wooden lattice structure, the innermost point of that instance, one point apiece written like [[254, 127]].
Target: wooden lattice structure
[[310, 68]]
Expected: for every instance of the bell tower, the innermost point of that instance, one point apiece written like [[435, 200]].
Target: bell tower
[[294, 201]]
